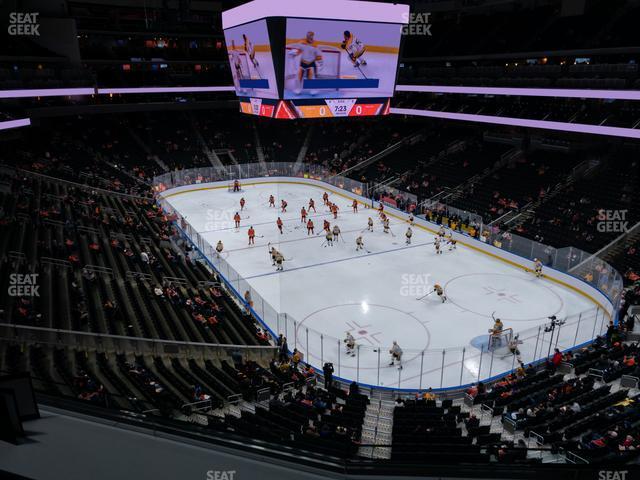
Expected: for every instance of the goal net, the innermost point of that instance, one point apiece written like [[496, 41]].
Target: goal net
[[500, 342], [330, 64], [231, 187]]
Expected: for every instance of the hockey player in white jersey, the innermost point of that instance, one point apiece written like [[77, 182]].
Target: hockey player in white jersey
[[350, 343], [354, 48], [396, 355], [310, 60], [251, 51]]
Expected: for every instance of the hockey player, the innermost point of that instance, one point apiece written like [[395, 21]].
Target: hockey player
[[380, 209], [283, 206], [236, 185], [326, 226], [303, 215], [354, 48], [272, 252], [236, 219], [440, 292], [354, 205], [496, 332], [396, 355], [252, 236], [310, 227], [219, 247], [436, 244], [537, 267], [370, 224], [310, 60], [279, 224], [334, 209], [329, 238], [336, 232], [279, 262], [242, 203], [350, 343], [441, 233], [411, 219], [385, 225], [451, 242], [325, 198], [359, 243], [251, 52], [235, 60], [408, 235], [272, 201], [513, 348], [312, 204]]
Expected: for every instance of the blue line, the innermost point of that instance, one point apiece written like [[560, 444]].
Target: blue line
[[340, 260]]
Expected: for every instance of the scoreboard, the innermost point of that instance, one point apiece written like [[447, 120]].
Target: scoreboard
[[328, 108], [296, 59]]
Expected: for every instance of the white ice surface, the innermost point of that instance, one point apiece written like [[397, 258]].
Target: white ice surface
[[331, 290]]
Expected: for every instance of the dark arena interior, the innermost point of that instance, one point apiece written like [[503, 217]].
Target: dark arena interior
[[319, 239]]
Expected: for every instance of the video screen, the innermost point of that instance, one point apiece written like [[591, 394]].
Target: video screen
[[340, 59], [250, 59]]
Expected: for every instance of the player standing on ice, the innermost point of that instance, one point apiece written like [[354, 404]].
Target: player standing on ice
[[242, 202], [272, 201], [312, 204], [350, 343], [370, 224], [496, 332], [385, 225], [359, 243], [452, 242], [251, 52], [354, 48], [272, 252], [326, 226], [411, 219], [279, 224], [334, 209], [279, 262], [436, 244], [219, 247], [440, 292], [325, 198], [336, 233], [252, 236], [283, 206], [236, 185], [513, 348], [354, 205], [329, 238], [235, 60], [408, 235], [537, 267], [310, 60], [303, 215], [236, 219], [396, 355], [310, 227]]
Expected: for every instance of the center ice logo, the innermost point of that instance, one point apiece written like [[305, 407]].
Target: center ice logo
[[415, 284]]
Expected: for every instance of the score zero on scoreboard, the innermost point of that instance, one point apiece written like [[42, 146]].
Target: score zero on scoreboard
[[344, 107]]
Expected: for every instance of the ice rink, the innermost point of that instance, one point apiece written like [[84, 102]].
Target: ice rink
[[374, 294]]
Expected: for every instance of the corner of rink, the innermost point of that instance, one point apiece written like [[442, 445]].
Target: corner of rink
[[383, 292]]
